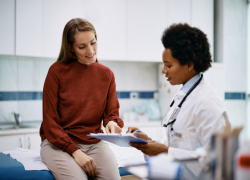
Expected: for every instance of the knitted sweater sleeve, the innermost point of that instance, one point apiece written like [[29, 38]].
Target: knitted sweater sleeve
[[51, 120], [112, 106]]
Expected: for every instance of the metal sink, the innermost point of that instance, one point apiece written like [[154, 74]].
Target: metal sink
[[9, 127]]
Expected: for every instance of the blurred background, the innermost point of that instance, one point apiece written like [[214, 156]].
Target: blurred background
[[129, 43]]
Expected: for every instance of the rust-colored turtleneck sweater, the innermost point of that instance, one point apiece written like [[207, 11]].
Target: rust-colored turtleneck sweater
[[76, 98]]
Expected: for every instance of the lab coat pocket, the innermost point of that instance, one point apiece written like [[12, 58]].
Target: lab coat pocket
[[182, 142]]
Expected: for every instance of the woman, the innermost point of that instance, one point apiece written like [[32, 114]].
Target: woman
[[190, 124], [78, 94]]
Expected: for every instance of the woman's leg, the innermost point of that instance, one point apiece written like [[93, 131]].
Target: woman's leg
[[105, 161], [60, 163]]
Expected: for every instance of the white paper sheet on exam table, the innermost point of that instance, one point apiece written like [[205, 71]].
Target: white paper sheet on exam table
[[31, 160]]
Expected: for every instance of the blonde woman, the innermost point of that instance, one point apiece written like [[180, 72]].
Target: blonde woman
[[78, 94]]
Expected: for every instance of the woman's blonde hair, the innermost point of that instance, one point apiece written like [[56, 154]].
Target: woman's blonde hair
[[71, 28]]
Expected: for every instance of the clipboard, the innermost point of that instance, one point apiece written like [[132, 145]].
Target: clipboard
[[118, 139]]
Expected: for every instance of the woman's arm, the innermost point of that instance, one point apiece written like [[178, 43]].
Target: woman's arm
[[112, 108], [51, 121]]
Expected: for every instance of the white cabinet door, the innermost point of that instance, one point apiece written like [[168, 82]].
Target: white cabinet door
[[203, 18], [56, 13], [32, 141], [109, 20], [11, 142], [7, 25], [178, 11], [146, 21], [29, 23]]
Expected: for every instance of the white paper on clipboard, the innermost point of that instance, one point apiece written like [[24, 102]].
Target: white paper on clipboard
[[119, 139]]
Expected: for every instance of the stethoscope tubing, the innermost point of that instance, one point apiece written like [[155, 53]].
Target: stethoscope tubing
[[173, 119]]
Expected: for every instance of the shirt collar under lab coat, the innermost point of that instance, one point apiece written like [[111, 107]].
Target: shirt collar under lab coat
[[190, 83]]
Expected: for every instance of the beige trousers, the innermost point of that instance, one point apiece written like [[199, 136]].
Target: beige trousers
[[63, 166]]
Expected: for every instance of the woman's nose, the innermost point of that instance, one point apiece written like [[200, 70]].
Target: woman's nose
[[164, 71], [90, 51]]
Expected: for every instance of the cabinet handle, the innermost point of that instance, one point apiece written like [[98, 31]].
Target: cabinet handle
[[21, 144], [29, 143]]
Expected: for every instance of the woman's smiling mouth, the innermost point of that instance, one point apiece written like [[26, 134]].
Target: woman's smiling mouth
[[90, 56]]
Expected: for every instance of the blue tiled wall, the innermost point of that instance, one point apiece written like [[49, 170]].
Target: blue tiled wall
[[235, 95], [15, 96]]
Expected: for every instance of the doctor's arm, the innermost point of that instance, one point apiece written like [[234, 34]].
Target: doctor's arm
[[139, 134], [151, 148]]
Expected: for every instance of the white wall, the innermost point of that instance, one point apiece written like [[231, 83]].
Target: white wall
[[248, 73], [235, 57]]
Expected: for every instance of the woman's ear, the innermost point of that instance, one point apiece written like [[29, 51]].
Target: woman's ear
[[71, 48], [190, 66]]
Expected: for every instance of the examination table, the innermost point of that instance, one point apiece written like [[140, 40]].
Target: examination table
[[11, 169]]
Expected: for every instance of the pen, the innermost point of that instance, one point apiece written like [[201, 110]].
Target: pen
[[138, 131]]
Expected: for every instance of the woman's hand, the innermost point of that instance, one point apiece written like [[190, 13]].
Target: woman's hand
[[85, 162], [112, 127], [140, 134], [151, 148]]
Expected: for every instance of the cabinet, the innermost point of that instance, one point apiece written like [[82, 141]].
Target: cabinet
[[178, 11], [109, 20], [56, 13], [146, 21], [202, 17], [7, 23], [29, 21], [11, 142], [40, 23], [30, 141], [127, 30]]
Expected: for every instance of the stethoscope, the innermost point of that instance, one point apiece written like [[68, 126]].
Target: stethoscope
[[176, 111]]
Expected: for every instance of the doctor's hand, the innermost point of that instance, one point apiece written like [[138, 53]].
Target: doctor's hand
[[140, 134], [85, 162], [152, 148], [112, 127]]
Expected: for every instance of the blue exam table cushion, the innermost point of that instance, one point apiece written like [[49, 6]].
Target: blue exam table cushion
[[11, 169]]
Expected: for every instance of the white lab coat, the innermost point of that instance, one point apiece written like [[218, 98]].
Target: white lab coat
[[201, 115]]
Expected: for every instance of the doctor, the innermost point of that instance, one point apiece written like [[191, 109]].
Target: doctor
[[196, 111]]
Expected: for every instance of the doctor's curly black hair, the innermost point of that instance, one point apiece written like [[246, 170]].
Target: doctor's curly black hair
[[188, 44]]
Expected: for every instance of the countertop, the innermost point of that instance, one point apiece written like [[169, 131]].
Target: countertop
[[36, 126]]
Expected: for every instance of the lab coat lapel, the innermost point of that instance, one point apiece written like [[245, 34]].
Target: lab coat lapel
[[179, 96]]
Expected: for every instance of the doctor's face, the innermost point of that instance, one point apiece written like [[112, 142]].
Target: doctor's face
[[85, 47], [173, 70]]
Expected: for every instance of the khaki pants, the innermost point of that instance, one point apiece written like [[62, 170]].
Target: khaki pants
[[64, 167]]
